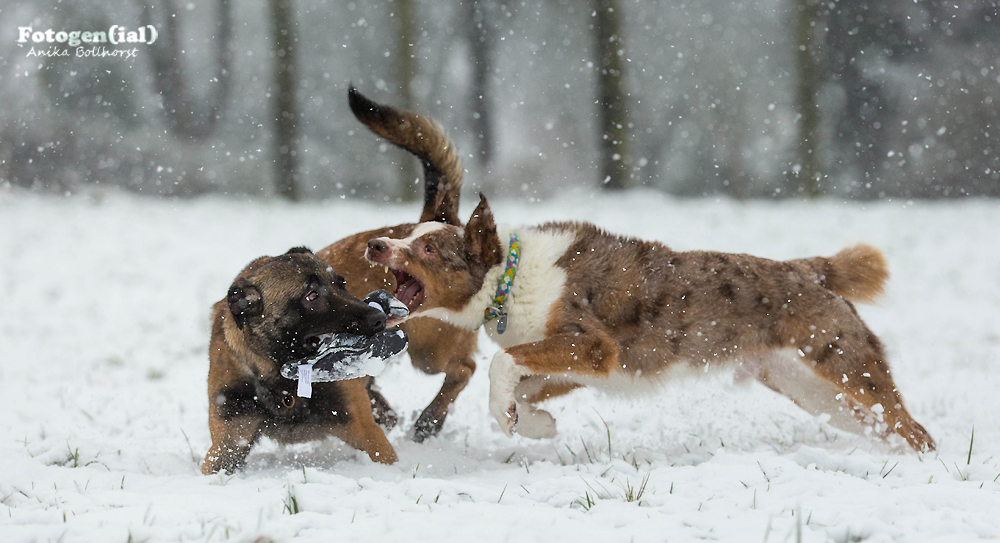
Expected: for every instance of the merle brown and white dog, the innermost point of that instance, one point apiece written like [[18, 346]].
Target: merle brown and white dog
[[589, 308]]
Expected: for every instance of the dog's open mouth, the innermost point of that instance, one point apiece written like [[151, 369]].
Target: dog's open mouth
[[408, 290]]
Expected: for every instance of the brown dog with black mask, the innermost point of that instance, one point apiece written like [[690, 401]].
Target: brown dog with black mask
[[274, 313]]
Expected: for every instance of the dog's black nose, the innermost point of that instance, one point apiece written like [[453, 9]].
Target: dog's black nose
[[375, 321], [377, 245]]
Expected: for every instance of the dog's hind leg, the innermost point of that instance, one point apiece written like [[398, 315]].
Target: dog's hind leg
[[787, 374], [839, 368], [859, 368]]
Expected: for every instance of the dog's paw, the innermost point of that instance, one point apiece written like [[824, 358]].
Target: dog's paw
[[428, 424], [535, 423], [386, 418], [506, 415], [383, 413]]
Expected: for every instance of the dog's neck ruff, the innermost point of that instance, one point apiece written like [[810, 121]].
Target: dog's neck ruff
[[495, 309]]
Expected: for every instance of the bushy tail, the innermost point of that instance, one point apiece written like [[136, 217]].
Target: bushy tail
[[857, 273], [425, 139]]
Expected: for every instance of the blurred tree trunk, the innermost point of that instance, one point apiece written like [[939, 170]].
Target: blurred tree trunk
[[857, 26], [284, 112], [613, 118], [807, 88], [406, 72], [735, 171], [481, 42], [184, 118]]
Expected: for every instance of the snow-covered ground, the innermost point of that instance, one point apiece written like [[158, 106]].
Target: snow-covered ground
[[103, 358]]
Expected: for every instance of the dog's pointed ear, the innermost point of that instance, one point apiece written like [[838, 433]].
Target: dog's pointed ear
[[299, 249], [245, 302], [481, 241]]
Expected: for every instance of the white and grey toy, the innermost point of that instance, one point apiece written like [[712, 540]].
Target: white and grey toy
[[387, 303], [349, 356]]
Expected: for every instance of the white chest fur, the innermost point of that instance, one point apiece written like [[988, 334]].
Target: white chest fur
[[537, 286]]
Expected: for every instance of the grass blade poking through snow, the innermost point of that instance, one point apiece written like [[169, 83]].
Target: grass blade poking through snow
[[971, 439], [633, 494], [291, 502], [586, 502], [606, 429]]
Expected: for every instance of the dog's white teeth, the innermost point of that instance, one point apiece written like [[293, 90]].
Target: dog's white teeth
[[386, 269]]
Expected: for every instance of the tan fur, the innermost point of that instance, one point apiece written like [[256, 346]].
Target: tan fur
[[553, 390], [858, 273], [425, 138], [247, 397], [435, 347], [633, 310]]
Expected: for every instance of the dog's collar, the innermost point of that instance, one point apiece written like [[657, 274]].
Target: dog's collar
[[495, 309]]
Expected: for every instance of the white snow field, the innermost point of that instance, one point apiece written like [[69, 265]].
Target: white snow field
[[104, 303]]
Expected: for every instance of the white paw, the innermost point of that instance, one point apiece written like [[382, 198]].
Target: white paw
[[506, 416], [535, 423], [504, 376]]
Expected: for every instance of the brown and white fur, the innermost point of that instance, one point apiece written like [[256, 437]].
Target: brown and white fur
[[435, 347], [589, 308]]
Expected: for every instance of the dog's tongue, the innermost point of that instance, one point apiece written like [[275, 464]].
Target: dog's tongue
[[408, 291]]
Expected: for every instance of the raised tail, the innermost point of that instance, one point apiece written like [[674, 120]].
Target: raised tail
[[857, 273], [425, 139]]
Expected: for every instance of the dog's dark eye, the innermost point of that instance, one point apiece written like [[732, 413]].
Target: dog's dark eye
[[430, 249], [312, 296]]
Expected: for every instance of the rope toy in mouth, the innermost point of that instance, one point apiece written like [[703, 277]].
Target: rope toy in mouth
[[349, 356]]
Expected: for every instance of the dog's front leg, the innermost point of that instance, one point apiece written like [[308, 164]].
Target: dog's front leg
[[361, 432], [578, 353], [231, 443], [505, 374]]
